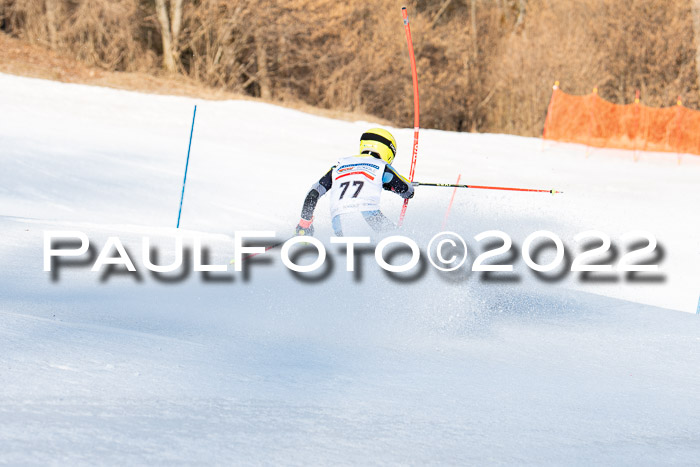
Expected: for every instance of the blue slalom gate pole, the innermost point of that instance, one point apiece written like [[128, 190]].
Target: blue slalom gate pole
[[189, 146]]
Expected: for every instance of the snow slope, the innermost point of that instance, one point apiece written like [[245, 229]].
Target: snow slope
[[351, 369]]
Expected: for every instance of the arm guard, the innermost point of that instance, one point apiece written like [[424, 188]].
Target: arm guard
[[317, 190]]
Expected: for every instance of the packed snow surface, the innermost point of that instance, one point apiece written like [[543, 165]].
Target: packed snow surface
[[332, 367]]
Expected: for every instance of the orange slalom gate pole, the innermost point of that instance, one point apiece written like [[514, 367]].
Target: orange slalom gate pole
[[416, 107], [447, 213]]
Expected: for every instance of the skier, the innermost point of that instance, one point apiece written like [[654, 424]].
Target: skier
[[355, 184]]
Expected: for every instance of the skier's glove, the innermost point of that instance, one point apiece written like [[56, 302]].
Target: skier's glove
[[305, 227]]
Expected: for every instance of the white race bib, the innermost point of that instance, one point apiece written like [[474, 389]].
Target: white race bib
[[357, 184]]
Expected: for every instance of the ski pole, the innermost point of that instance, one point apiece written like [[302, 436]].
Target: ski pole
[[481, 187], [416, 107]]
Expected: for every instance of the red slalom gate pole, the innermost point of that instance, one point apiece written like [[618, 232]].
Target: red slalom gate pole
[[482, 187], [449, 207], [416, 107]]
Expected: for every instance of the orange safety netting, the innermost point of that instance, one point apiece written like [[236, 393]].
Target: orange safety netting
[[594, 121]]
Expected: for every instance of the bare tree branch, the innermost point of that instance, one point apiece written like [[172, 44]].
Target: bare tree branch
[[439, 13]]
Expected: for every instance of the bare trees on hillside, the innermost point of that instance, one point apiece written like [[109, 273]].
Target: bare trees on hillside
[[483, 65]]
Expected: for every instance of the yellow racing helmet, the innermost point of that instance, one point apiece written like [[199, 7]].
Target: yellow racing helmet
[[380, 142]]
